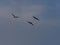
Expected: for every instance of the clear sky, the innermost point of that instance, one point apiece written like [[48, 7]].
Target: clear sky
[[19, 32]]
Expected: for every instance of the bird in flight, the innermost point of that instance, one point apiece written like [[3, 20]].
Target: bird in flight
[[35, 18], [14, 16], [30, 22]]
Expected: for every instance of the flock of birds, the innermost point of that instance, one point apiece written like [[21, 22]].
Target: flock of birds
[[14, 16]]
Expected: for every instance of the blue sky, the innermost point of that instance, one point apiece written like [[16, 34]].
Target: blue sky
[[19, 32]]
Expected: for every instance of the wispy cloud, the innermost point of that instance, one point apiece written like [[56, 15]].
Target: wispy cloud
[[25, 12], [30, 10], [22, 10]]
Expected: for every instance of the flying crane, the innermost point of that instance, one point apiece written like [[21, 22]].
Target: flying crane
[[30, 22], [35, 18]]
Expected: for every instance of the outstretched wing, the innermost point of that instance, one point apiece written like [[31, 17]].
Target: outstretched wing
[[14, 16]]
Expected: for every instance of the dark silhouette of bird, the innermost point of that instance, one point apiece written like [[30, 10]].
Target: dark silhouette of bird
[[35, 18], [14, 16], [30, 22]]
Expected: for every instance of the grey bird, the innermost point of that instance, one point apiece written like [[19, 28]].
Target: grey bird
[[30, 22], [35, 18], [14, 16]]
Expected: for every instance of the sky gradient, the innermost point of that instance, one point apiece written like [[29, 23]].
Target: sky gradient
[[19, 32]]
